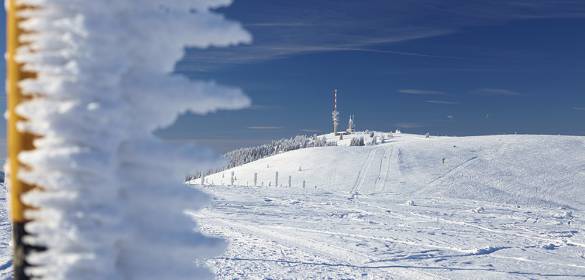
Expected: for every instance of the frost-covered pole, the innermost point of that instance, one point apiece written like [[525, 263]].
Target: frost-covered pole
[[18, 140], [335, 113], [105, 84], [276, 179]]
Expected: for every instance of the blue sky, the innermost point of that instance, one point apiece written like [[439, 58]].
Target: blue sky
[[441, 66]]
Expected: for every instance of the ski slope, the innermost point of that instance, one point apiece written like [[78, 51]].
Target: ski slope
[[499, 207], [489, 207]]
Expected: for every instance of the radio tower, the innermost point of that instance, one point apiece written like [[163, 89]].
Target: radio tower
[[335, 114]]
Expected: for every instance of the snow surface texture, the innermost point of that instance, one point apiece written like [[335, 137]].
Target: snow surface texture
[[5, 236], [531, 170], [499, 207], [113, 201]]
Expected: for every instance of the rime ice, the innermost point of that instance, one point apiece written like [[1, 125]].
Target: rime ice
[[113, 201]]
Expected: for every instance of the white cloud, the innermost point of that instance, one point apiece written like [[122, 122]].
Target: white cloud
[[353, 26], [495, 92], [279, 46], [277, 24], [421, 92], [442, 102]]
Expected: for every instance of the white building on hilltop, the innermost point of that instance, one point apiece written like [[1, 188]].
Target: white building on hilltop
[[350, 124]]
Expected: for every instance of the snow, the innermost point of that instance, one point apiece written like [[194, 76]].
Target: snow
[[530, 170], [5, 236], [114, 206], [506, 207], [526, 223], [104, 84]]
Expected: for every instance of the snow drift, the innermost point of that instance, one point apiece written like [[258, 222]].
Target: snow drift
[[113, 200]]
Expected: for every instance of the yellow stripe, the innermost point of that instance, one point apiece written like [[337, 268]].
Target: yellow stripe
[[17, 141]]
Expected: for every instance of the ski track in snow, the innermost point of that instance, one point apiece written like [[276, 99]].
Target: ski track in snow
[[409, 215], [385, 165], [378, 237], [453, 170], [363, 172], [321, 233]]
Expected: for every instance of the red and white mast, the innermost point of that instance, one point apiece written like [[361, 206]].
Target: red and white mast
[[335, 113]]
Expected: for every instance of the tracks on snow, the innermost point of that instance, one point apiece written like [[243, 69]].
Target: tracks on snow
[[454, 169], [315, 242], [362, 173], [367, 172]]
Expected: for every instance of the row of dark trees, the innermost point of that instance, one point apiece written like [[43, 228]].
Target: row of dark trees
[[245, 155]]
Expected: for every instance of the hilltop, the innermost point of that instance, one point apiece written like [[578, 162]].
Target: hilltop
[[409, 207], [517, 169]]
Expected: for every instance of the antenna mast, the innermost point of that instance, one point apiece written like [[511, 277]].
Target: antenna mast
[[335, 114]]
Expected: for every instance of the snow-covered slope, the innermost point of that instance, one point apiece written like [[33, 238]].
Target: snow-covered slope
[[499, 207], [517, 169]]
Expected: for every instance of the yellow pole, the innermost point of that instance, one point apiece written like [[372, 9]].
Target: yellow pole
[[17, 141]]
